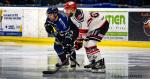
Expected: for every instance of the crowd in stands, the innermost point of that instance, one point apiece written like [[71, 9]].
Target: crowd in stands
[[93, 3]]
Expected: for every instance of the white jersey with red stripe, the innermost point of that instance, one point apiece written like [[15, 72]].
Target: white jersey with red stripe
[[87, 21]]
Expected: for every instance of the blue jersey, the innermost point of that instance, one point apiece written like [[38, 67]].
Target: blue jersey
[[67, 32], [61, 24]]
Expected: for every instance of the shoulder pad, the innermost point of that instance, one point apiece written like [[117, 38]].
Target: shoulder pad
[[79, 15]]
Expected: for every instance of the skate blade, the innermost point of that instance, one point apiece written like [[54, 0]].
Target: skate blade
[[72, 69], [64, 69], [87, 69], [98, 70]]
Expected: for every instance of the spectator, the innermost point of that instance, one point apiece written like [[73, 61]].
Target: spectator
[[77, 1], [49, 2], [30, 1], [1, 1], [135, 2], [7, 2], [146, 2], [19, 2]]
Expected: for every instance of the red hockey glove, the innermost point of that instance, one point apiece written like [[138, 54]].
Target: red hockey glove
[[78, 44]]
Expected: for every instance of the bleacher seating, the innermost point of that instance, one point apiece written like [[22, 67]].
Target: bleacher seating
[[82, 3]]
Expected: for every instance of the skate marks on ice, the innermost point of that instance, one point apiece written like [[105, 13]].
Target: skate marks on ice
[[139, 65]]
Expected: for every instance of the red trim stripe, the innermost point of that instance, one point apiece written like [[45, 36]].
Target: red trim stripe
[[90, 47], [99, 37], [93, 52], [83, 30]]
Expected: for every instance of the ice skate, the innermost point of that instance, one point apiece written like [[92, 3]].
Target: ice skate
[[65, 66], [72, 66], [89, 66], [99, 67]]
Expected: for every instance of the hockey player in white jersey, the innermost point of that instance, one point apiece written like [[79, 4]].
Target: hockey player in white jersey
[[92, 28]]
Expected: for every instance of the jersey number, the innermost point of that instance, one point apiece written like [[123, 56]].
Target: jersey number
[[94, 14]]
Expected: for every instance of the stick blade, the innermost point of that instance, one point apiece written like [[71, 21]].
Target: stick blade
[[49, 72]]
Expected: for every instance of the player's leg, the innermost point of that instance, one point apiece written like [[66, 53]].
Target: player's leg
[[62, 56], [93, 53], [71, 36], [72, 59]]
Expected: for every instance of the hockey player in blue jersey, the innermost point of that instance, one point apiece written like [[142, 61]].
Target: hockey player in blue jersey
[[65, 33]]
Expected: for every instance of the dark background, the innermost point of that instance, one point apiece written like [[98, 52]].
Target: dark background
[[136, 31], [81, 3]]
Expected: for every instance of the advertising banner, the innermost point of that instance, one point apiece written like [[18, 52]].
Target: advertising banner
[[118, 28], [0, 20], [12, 21], [139, 26]]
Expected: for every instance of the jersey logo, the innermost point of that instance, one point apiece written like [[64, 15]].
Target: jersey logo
[[94, 14], [79, 16], [89, 21], [63, 24]]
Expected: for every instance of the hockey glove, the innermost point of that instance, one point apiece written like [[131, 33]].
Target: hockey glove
[[50, 28], [78, 44], [68, 45], [68, 48]]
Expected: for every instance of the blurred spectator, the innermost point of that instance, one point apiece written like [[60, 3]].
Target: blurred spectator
[[62, 1], [87, 1], [49, 2], [19, 2], [30, 1], [13, 2], [77, 1], [53, 2], [33, 2], [104, 1], [7, 2], [146, 2], [80, 2], [135, 2], [124, 2], [113, 1]]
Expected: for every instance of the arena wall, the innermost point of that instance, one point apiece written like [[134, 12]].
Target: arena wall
[[26, 25]]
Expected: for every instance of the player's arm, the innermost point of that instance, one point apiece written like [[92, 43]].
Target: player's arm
[[79, 17], [71, 35], [49, 27]]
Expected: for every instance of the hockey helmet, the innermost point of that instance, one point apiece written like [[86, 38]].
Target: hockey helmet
[[52, 10], [70, 6]]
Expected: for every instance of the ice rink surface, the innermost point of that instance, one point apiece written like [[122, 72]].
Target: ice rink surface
[[28, 62]]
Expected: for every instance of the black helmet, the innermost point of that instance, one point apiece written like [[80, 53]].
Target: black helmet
[[52, 10]]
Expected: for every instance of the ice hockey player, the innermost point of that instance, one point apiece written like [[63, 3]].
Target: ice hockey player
[[92, 28], [65, 33]]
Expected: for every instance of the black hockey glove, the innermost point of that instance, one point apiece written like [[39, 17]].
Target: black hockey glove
[[68, 48], [78, 44], [50, 28], [68, 45]]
